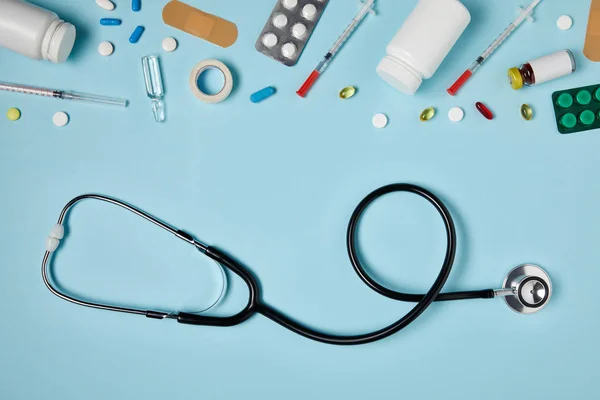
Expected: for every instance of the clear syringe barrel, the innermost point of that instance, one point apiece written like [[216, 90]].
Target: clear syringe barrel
[[92, 98], [499, 40], [18, 88], [345, 35]]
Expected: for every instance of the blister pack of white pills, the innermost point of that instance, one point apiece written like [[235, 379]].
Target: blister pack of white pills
[[289, 27]]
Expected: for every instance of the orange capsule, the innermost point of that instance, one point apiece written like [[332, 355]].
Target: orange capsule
[[484, 110]]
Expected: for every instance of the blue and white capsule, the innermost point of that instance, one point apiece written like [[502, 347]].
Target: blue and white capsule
[[136, 34], [262, 94], [110, 21]]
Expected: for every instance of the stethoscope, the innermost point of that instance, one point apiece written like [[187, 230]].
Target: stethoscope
[[526, 289]]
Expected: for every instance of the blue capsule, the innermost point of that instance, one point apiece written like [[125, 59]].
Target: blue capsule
[[110, 21], [136, 34], [136, 5], [262, 94]]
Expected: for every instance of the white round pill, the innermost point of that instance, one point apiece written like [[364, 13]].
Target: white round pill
[[299, 31], [309, 11], [60, 118], [288, 50], [106, 48], [169, 44], [456, 114], [564, 23], [289, 4], [380, 121], [269, 40], [106, 4], [280, 21]]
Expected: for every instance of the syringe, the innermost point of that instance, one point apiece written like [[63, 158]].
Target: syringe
[[61, 94], [367, 8], [495, 44]]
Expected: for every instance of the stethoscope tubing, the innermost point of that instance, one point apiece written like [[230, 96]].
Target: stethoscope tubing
[[255, 304]]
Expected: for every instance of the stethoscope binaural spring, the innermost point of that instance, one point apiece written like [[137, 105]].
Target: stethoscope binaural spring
[[526, 289]]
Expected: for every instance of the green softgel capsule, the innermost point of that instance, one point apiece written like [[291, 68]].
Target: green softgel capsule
[[587, 117], [565, 100], [584, 97], [597, 94], [568, 120]]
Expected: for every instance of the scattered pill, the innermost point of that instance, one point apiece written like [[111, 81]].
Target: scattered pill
[[288, 50], [13, 114], [262, 94], [280, 21], [309, 11], [456, 114], [486, 112], [568, 120], [106, 48], [299, 31], [60, 119], [564, 22], [526, 112], [110, 21], [587, 117], [289, 4], [136, 5], [427, 114], [169, 44], [380, 121], [269, 40], [347, 92], [136, 34], [106, 4]]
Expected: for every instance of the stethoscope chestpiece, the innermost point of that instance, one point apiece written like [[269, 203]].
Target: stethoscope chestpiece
[[531, 289]]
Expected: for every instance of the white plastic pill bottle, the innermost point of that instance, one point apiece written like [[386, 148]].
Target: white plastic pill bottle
[[35, 32], [422, 43]]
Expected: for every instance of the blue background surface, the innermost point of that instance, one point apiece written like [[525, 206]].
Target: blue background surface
[[274, 184]]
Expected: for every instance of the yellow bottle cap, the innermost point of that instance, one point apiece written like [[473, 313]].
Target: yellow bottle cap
[[515, 78]]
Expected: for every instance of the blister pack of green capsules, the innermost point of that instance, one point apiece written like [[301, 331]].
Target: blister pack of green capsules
[[577, 109]]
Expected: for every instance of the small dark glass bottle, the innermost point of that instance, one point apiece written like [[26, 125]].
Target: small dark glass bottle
[[542, 69]]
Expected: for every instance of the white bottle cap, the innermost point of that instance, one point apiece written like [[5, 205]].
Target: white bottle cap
[[59, 41], [399, 75]]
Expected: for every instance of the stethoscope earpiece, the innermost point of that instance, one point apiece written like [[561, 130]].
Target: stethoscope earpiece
[[526, 289]]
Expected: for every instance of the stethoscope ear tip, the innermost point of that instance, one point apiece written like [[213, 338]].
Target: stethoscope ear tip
[[531, 287]]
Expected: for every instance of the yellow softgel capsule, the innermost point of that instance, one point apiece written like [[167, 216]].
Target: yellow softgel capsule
[[13, 114], [427, 114], [347, 92]]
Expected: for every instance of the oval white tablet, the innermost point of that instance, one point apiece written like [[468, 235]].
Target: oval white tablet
[[380, 121], [288, 50], [289, 4], [169, 44], [60, 118], [106, 48], [280, 21], [299, 31], [106, 4], [564, 23], [456, 114], [309, 11], [269, 40]]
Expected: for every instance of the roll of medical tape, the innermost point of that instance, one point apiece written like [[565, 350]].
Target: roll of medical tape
[[227, 87]]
